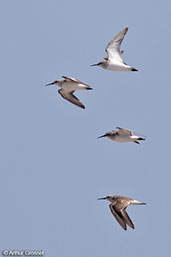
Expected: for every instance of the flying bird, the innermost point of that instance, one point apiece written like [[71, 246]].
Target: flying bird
[[124, 135], [118, 208], [114, 60], [68, 87]]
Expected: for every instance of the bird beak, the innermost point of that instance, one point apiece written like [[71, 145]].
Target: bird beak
[[104, 198], [93, 65], [101, 136], [50, 84]]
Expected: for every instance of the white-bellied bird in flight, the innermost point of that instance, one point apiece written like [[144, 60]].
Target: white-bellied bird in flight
[[114, 60], [124, 135], [118, 208], [68, 87]]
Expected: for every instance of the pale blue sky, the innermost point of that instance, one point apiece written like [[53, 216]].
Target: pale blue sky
[[53, 167]]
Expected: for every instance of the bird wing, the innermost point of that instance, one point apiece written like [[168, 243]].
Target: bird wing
[[128, 132], [123, 131], [138, 134], [113, 47], [73, 80], [69, 96], [68, 79], [118, 216], [127, 218]]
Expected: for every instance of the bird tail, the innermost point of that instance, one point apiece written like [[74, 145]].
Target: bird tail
[[133, 69], [135, 202], [141, 138]]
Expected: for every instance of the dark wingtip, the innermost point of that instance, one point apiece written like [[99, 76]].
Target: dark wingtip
[[89, 88], [133, 69], [81, 106]]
